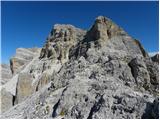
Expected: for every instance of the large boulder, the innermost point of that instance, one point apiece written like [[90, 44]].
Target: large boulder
[[140, 73]]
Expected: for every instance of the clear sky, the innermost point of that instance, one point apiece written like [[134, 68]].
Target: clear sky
[[27, 24]]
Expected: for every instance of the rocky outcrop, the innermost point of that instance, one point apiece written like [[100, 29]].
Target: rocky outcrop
[[104, 29], [22, 57], [140, 73], [152, 110], [155, 109], [59, 42], [144, 53], [155, 58], [13, 88], [44, 80], [153, 70], [99, 73], [24, 87]]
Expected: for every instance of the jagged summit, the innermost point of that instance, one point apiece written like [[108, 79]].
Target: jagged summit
[[98, 73], [64, 37], [104, 28], [60, 40]]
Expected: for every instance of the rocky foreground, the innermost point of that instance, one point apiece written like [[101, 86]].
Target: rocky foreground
[[99, 73]]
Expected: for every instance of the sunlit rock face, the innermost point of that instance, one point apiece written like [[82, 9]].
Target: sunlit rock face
[[6, 73], [99, 73], [60, 40], [22, 57]]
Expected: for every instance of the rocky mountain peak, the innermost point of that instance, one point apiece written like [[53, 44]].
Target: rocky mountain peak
[[61, 30], [103, 29], [99, 73], [60, 40]]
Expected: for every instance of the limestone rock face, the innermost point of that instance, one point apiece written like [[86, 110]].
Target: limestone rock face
[[24, 87], [99, 73], [153, 69], [140, 73], [22, 57], [59, 42], [44, 80], [6, 100], [104, 29], [6, 73]]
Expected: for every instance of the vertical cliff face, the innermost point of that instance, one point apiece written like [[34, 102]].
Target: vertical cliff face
[[99, 73]]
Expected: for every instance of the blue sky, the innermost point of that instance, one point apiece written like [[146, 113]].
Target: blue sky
[[27, 24]]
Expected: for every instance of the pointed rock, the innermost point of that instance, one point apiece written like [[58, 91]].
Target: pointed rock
[[104, 29]]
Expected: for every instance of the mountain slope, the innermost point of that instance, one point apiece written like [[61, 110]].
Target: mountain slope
[[99, 73]]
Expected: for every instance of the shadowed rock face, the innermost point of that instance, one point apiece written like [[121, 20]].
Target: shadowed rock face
[[99, 73], [155, 58]]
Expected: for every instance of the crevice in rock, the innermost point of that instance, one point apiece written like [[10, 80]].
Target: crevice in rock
[[55, 107], [37, 87], [13, 100], [11, 66], [132, 71], [96, 107], [54, 114]]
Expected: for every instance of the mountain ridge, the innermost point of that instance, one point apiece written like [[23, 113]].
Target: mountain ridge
[[99, 73]]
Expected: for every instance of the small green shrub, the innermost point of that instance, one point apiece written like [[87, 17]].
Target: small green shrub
[[63, 112]]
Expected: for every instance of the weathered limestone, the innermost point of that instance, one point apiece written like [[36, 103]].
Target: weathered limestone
[[6, 101], [44, 80], [22, 57], [6, 73], [59, 42], [140, 73], [102, 73], [24, 87]]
